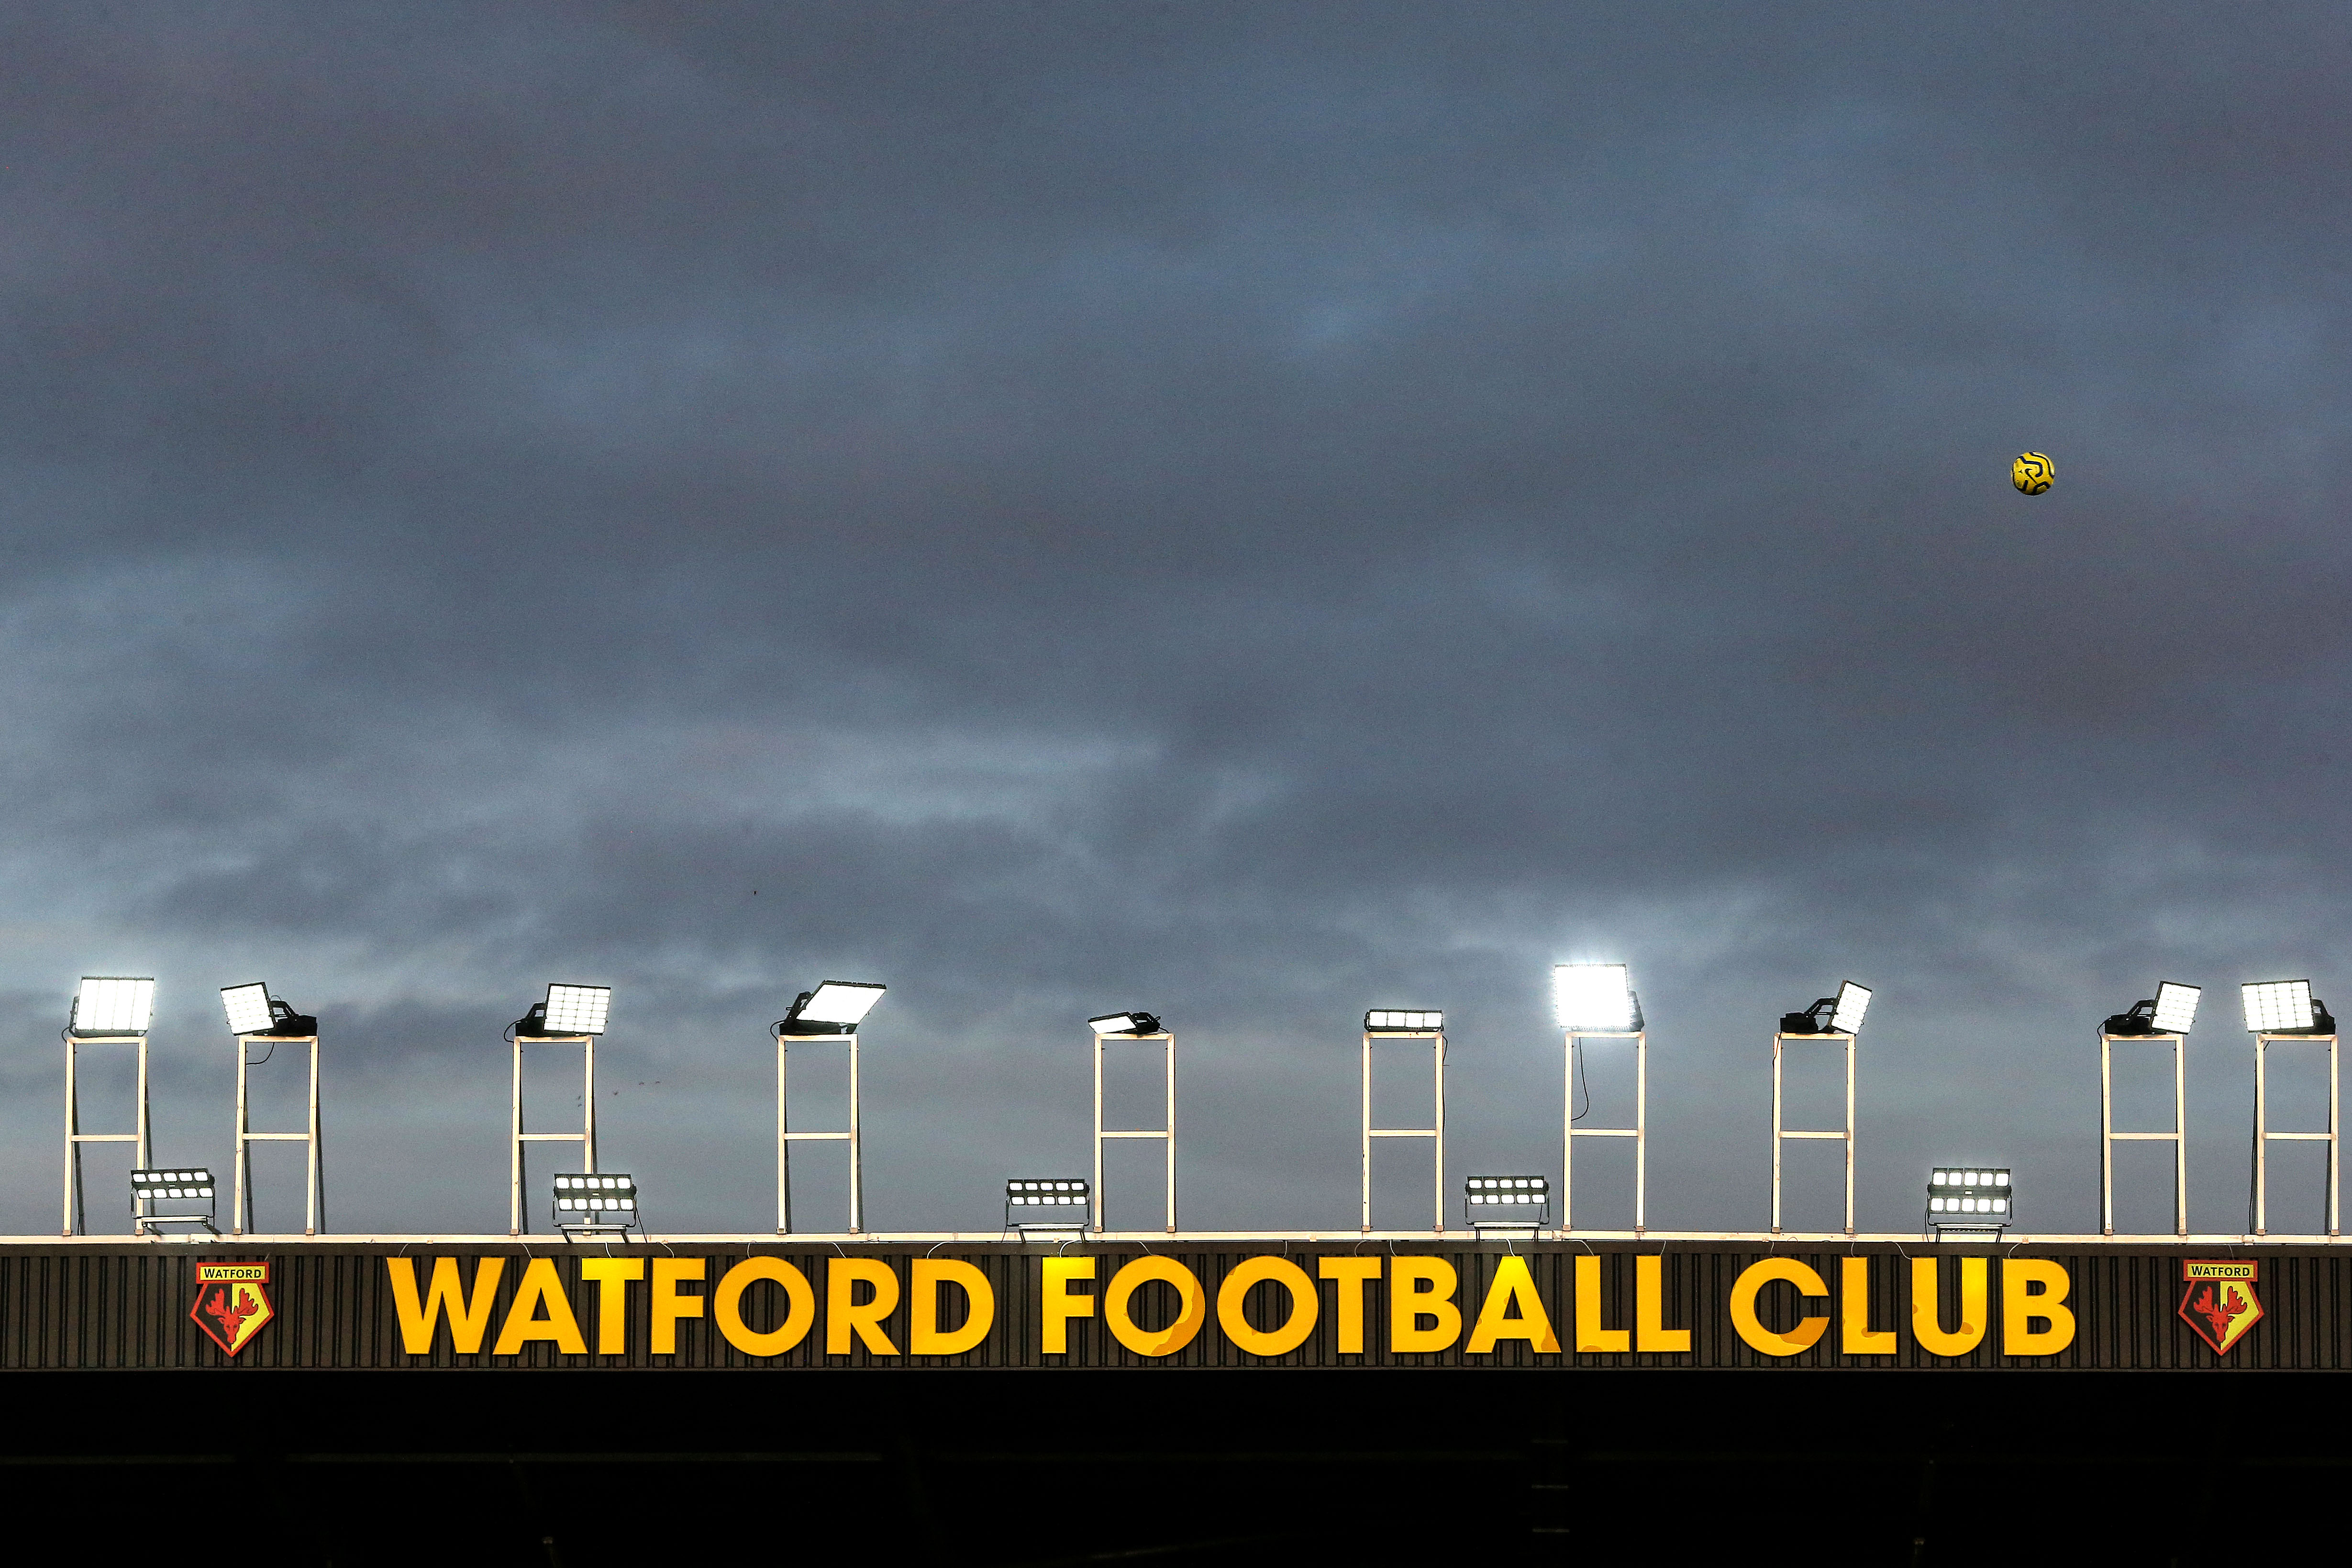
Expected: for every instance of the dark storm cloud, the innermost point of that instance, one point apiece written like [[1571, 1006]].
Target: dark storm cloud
[[1252, 512]]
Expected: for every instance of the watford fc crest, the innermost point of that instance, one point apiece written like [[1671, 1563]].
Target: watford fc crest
[[2218, 1300], [232, 1302]]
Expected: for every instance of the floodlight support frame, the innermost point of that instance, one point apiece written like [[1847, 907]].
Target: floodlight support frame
[[1780, 1132], [1435, 1134], [585, 1136], [1168, 1133], [240, 1214], [1571, 1046], [2109, 1137], [73, 1218], [786, 1138], [2263, 1136]]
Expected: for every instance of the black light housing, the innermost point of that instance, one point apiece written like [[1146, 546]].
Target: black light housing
[[2172, 1011], [1839, 1015], [1128, 1023]]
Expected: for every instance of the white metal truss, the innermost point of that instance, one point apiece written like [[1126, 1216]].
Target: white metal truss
[[313, 1187], [585, 1136], [1779, 1132], [2109, 1137], [1572, 1055], [1167, 1132], [1435, 1133], [2265, 1137], [786, 1138], [73, 1220]]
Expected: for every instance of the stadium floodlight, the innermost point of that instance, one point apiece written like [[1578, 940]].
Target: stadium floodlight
[[2170, 1011], [252, 1010], [1403, 1021], [569, 1011], [2285, 1007], [1030, 1194], [1839, 1015], [586, 1202], [112, 1004], [1595, 998], [1490, 1193], [1128, 1023], [183, 1187], [1969, 1202], [835, 1007], [2176, 1006]]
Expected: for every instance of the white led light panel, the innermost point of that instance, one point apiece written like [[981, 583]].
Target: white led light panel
[[248, 1007], [844, 1003], [2273, 1004], [113, 1005], [1852, 1001], [1592, 996], [577, 1009], [2176, 1007]]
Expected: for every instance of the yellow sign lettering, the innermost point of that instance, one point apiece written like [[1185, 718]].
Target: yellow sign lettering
[[2021, 1306], [1512, 1310], [845, 1315], [1927, 1308], [1750, 1327], [1191, 1306], [727, 1306], [1422, 1288], [1352, 1275], [668, 1306], [1306, 1306], [924, 1335], [1059, 1305], [542, 1286], [470, 1318], [1855, 1336], [1591, 1337], [611, 1276], [1650, 1330]]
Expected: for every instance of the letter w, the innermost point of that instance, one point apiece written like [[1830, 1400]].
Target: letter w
[[469, 1320]]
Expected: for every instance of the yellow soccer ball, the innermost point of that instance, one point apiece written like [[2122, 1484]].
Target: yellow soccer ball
[[2032, 472]]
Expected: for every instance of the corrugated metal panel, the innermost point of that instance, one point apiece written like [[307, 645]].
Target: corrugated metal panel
[[103, 1307]]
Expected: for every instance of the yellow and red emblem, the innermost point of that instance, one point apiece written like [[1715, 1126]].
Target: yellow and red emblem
[[2218, 1300], [232, 1302]]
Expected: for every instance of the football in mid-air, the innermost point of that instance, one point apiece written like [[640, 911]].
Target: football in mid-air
[[2032, 472]]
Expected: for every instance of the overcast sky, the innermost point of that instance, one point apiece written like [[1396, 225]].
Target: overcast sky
[[1247, 511]]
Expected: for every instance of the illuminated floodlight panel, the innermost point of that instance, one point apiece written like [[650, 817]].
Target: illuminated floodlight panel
[[1592, 997], [1404, 1020], [187, 1181], [1965, 1195], [843, 1003], [248, 1007], [113, 1005], [2273, 1005], [1129, 1022], [585, 1192], [2176, 1007], [1046, 1192], [578, 1009], [1508, 1189], [1852, 1001]]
